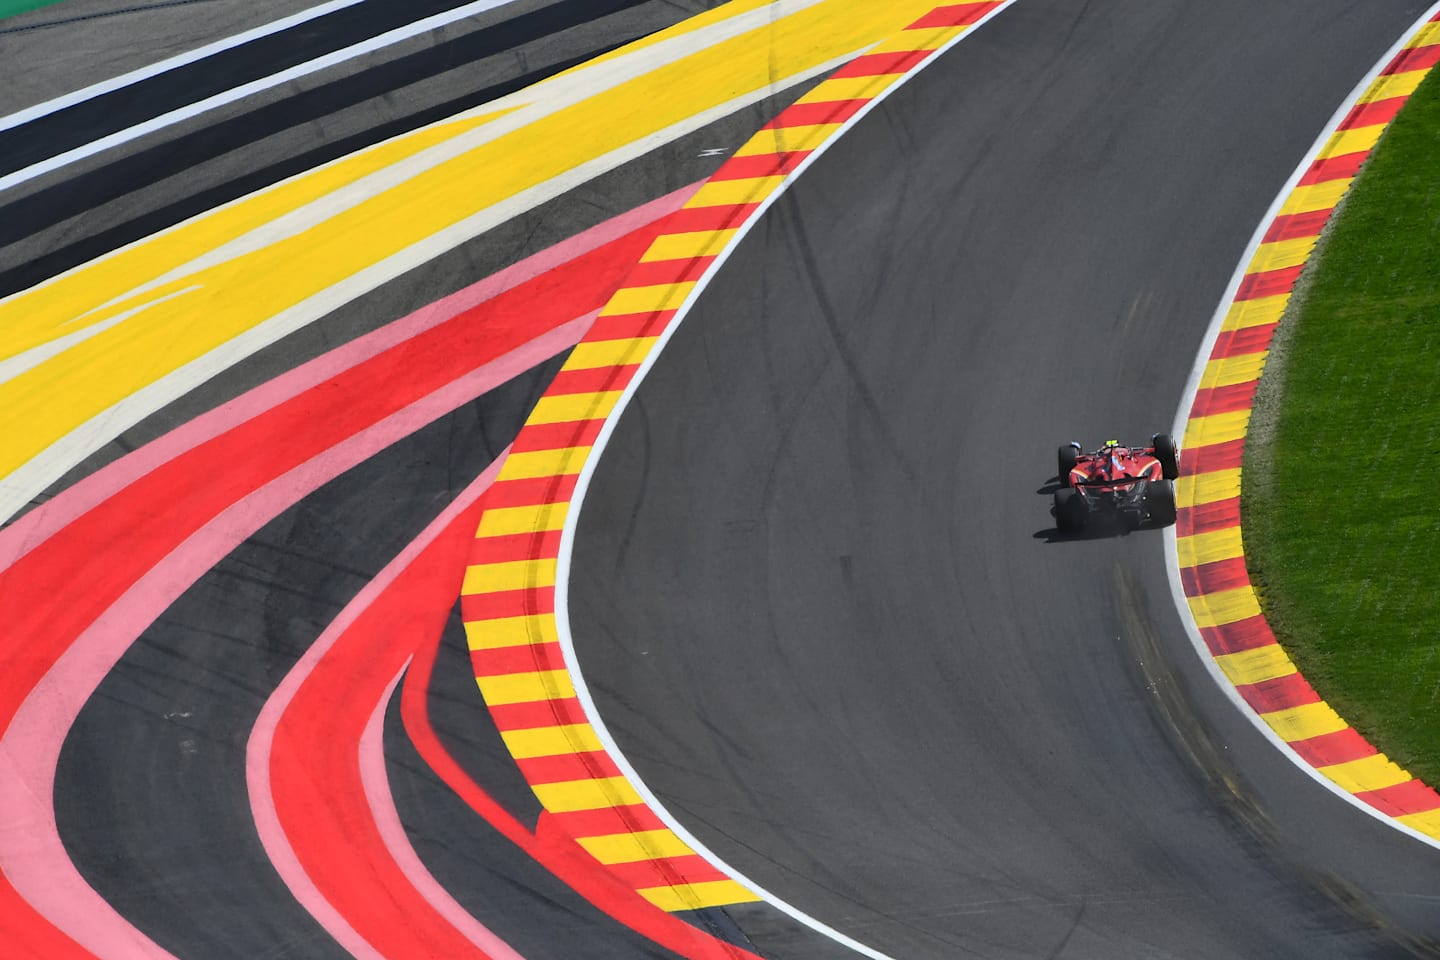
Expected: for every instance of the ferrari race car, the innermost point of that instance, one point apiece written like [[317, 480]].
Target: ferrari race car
[[1128, 485]]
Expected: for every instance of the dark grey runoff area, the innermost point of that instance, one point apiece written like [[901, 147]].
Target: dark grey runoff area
[[817, 590]]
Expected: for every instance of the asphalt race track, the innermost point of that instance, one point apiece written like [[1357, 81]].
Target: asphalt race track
[[816, 587]]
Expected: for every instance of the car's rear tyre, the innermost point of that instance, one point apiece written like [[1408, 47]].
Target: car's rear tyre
[[1066, 458], [1069, 511], [1160, 500], [1168, 455]]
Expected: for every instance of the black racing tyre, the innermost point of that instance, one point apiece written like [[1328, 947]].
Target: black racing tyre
[[1168, 455], [1066, 458], [1160, 499], [1069, 511]]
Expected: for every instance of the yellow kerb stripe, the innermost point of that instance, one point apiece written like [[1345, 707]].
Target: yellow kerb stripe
[[1319, 196], [1427, 822], [1228, 371], [526, 687], [507, 521], [1281, 254], [569, 407], [1395, 85], [551, 741], [849, 88], [1368, 773], [661, 296], [1354, 140], [510, 631], [1426, 36], [1302, 723], [1216, 428], [544, 463], [597, 794], [1257, 665], [787, 139], [696, 896], [926, 38], [510, 575], [1209, 547], [1203, 488], [688, 246], [1224, 606], [592, 354], [1255, 313], [727, 193], [632, 847]]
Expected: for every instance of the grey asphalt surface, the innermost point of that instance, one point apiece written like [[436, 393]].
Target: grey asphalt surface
[[816, 588]]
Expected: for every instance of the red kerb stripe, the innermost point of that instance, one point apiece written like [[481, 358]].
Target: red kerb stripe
[[1281, 693], [1411, 796], [812, 114], [521, 658], [510, 603], [568, 766], [592, 380], [1372, 114], [603, 822], [1293, 226], [516, 546], [1416, 58], [626, 325], [524, 493], [954, 15], [540, 713], [1208, 517], [720, 217], [761, 165], [558, 436], [1234, 637], [882, 64], [1342, 746], [1268, 283], [1236, 343], [1214, 456], [1236, 396], [1333, 168], [1214, 577]]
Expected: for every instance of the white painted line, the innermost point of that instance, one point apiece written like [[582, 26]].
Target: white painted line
[[193, 110], [165, 66], [1182, 417], [582, 485]]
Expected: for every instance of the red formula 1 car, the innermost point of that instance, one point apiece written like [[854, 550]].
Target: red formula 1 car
[[1129, 485]]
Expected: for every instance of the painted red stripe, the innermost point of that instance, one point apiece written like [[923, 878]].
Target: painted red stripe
[[522, 658], [666, 872], [1208, 517], [954, 15], [1333, 168], [593, 380], [516, 546], [1214, 577], [1372, 114], [718, 217], [1412, 796], [602, 822], [1236, 396], [627, 325], [761, 165], [814, 114], [1268, 283], [1293, 226], [882, 64], [1342, 746], [510, 603], [1281, 693], [1241, 635], [524, 493], [557, 436], [1214, 456], [654, 273], [540, 713], [567, 767], [1415, 58], [1237, 343]]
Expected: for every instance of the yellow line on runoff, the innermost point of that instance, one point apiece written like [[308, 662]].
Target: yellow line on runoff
[[194, 313]]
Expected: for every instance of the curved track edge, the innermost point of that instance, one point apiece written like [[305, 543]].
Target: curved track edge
[[1205, 551]]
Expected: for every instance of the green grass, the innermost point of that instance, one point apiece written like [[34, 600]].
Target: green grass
[[9, 8], [1341, 502]]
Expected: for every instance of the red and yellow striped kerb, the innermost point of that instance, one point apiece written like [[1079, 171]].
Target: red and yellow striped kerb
[[1208, 540], [508, 598]]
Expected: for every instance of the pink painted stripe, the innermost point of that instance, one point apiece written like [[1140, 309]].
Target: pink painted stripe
[[32, 855]]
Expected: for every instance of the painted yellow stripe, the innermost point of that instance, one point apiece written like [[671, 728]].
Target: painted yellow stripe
[[697, 896], [1209, 547], [1426, 36], [1354, 140], [544, 463], [1203, 488], [1257, 665], [727, 193], [688, 246], [1216, 428], [510, 631], [552, 742], [849, 88], [1304, 722], [663, 296], [632, 847], [787, 139], [511, 575], [569, 407], [526, 687], [1224, 606], [1368, 773], [1255, 313], [1281, 254], [1318, 196], [571, 795], [1394, 85], [591, 355], [1228, 371], [507, 521], [928, 38], [1427, 823]]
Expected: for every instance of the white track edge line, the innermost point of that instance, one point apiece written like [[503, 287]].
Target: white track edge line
[[582, 485], [1182, 417]]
